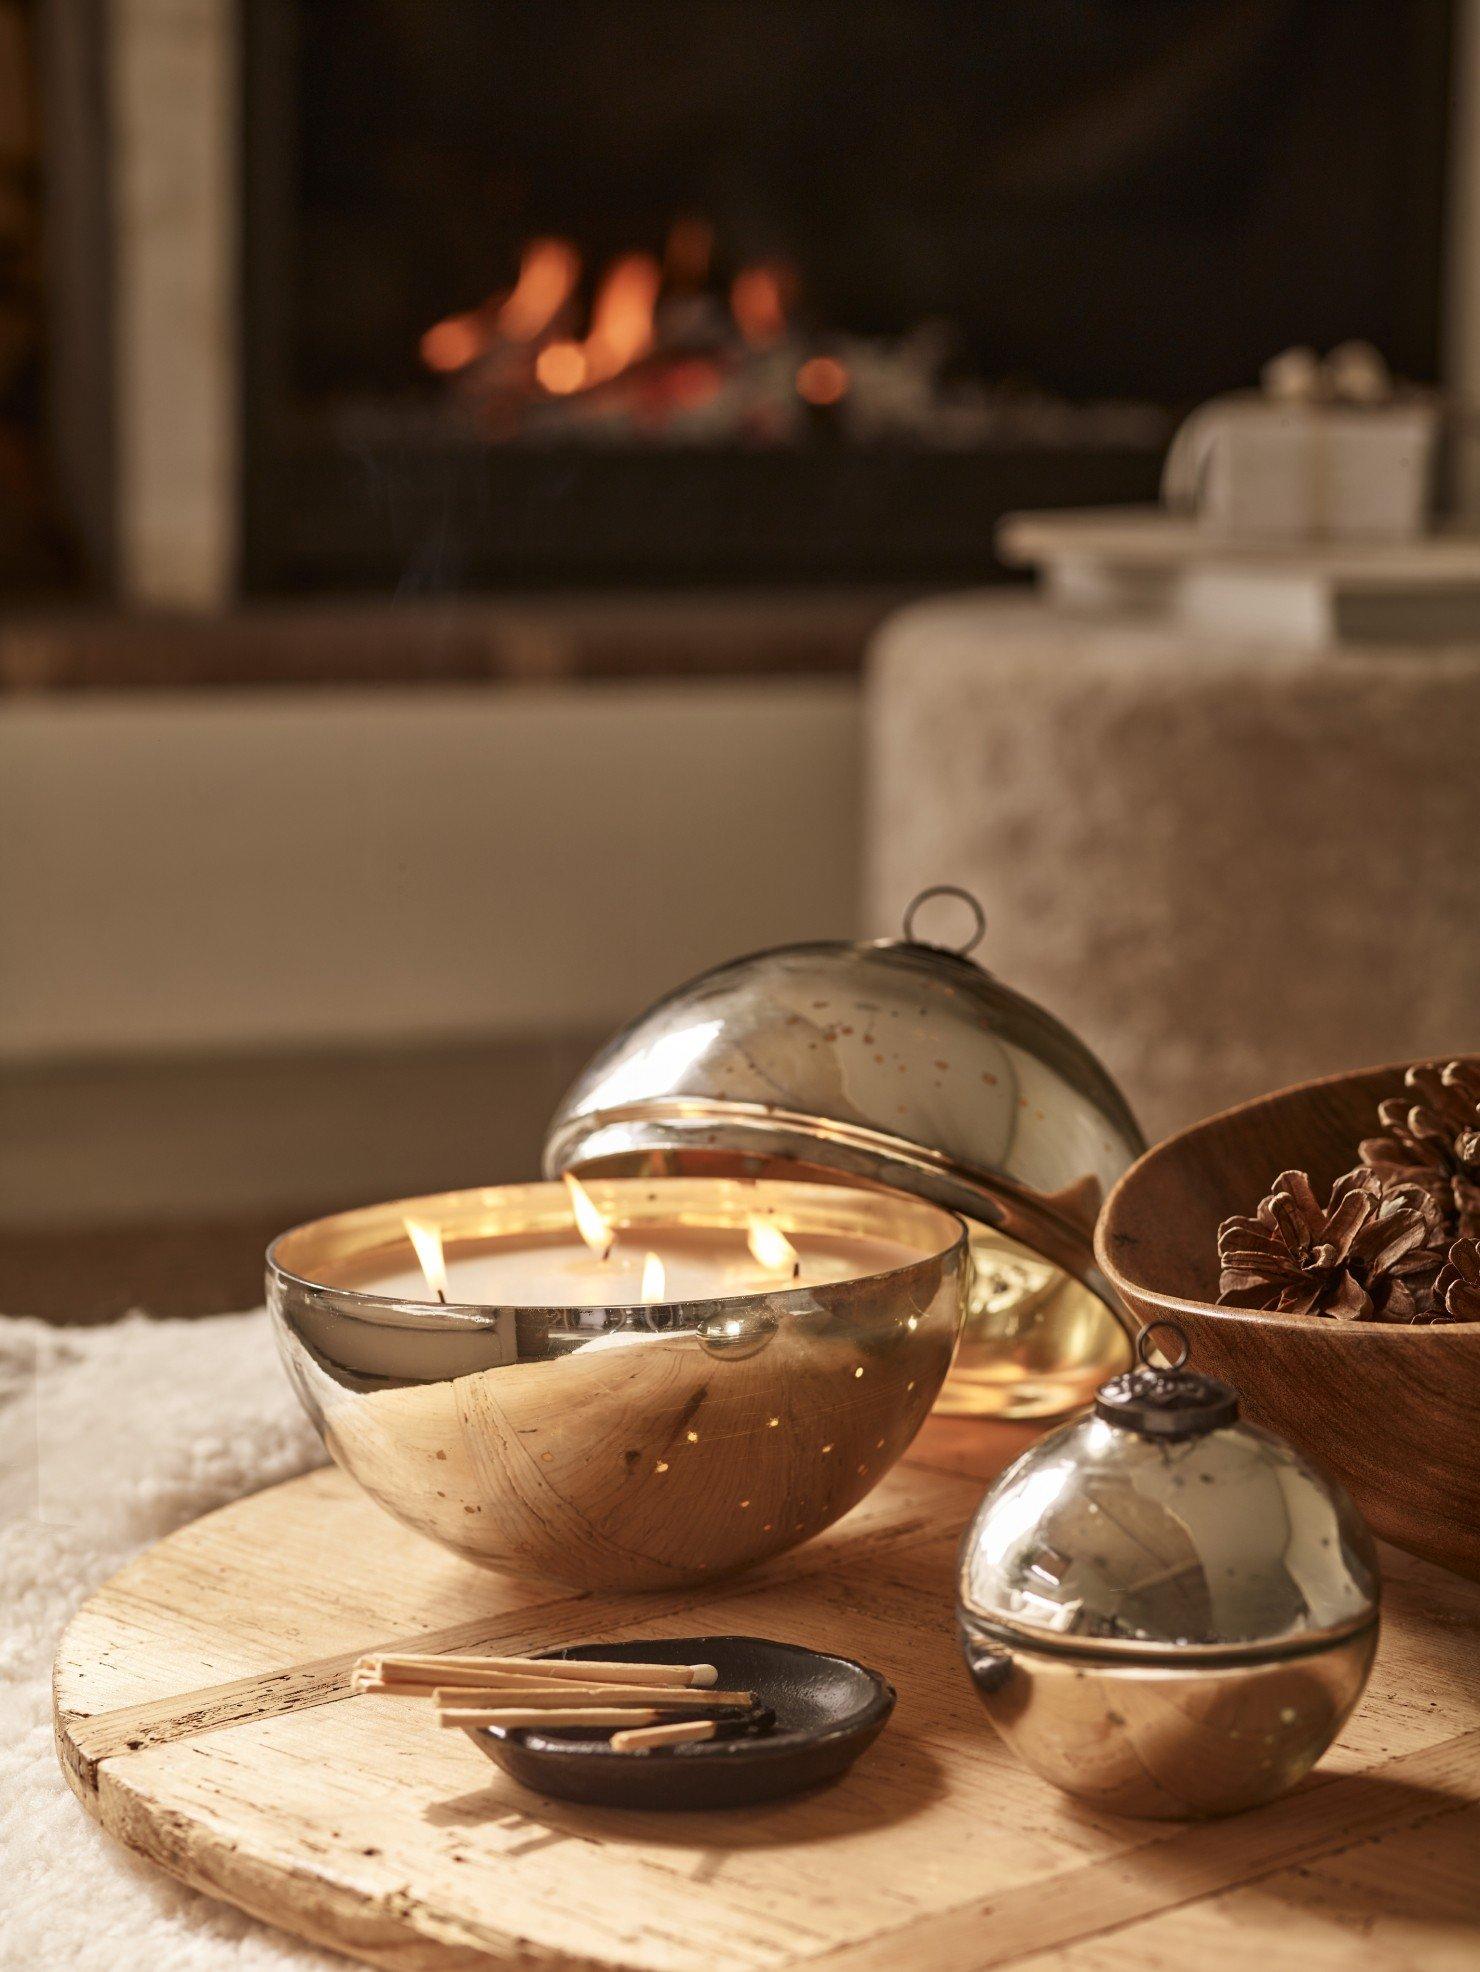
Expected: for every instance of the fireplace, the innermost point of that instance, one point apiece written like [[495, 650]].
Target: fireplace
[[698, 291], [695, 293]]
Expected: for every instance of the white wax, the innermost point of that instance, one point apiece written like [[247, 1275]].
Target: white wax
[[556, 1270]]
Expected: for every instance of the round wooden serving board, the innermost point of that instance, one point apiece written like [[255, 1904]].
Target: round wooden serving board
[[204, 1715]]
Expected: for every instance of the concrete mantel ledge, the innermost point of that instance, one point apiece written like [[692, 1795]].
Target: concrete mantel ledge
[[373, 641]]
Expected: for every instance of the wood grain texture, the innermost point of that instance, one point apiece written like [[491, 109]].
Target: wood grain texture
[[205, 1715], [1393, 1411]]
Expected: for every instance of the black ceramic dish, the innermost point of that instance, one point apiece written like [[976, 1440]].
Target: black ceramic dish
[[827, 1710]]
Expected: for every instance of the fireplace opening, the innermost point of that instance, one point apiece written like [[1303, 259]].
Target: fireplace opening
[[699, 291]]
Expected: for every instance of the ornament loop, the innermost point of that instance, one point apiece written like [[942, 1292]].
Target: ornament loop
[[1144, 1344], [946, 890]]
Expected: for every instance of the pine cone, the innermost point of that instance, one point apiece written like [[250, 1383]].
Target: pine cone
[[1370, 1254], [1433, 1140], [1457, 1290]]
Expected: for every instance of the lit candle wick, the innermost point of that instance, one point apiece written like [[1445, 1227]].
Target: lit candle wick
[[591, 1223], [771, 1248], [427, 1241]]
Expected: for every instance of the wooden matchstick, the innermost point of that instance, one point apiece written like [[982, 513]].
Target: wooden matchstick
[[410, 1669], [554, 1692], [410, 1685], [680, 1733], [542, 1715], [576, 1696]]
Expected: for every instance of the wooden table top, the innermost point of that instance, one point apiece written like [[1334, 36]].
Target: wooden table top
[[205, 1716]]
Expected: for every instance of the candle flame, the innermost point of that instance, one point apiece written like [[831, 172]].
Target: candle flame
[[591, 1223], [654, 1278], [771, 1248], [429, 1255]]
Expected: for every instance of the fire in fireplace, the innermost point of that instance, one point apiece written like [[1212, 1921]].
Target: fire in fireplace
[[676, 349], [699, 291]]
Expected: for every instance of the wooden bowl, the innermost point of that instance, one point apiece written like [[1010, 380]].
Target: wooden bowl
[[1392, 1411]]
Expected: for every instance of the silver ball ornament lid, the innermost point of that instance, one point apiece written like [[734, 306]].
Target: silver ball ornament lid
[[895, 1061], [1159, 1524]]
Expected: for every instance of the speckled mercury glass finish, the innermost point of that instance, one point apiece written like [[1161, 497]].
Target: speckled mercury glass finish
[[624, 1446], [1167, 1626], [904, 1064]]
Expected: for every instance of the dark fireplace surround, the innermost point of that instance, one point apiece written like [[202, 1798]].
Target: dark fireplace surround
[[1007, 248], [1105, 204]]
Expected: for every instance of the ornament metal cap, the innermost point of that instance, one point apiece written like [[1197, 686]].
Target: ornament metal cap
[[1166, 1400]]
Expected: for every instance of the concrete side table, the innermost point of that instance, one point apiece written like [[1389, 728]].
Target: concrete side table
[[1227, 864]]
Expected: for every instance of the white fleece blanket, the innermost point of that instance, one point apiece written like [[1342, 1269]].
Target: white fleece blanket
[[109, 1438]]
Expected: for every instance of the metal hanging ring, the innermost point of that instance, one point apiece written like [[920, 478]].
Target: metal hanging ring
[[946, 890], [1144, 1344]]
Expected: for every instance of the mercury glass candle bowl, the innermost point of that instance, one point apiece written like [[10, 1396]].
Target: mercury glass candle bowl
[[1165, 1611], [899, 1062], [627, 1446]]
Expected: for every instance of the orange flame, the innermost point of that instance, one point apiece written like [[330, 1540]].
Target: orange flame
[[591, 1222], [427, 1241], [760, 299], [771, 1248], [548, 272], [561, 367], [823, 380], [453, 344], [622, 316]]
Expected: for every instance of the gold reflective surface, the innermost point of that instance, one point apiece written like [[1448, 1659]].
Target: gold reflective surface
[[623, 1447], [1167, 1625], [1166, 1742], [902, 1064], [1035, 1341]]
